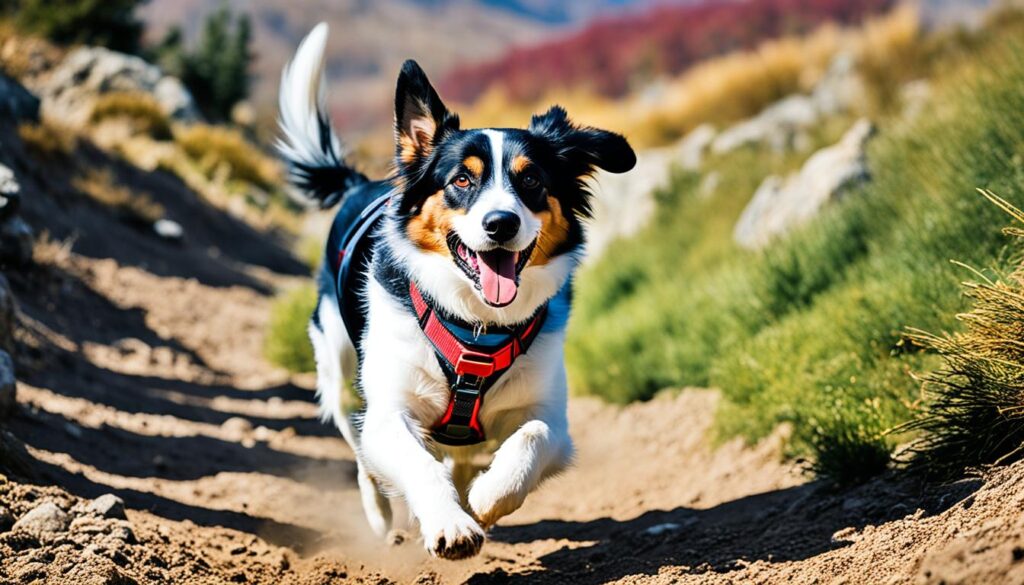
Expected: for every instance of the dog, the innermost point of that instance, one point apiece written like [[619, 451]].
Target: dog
[[443, 299]]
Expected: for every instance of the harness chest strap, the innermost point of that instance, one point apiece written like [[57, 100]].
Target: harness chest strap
[[471, 369]]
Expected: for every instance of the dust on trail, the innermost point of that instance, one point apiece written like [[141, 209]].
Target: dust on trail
[[153, 388]]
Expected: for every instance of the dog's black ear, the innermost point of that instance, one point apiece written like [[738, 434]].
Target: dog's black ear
[[421, 119], [583, 147]]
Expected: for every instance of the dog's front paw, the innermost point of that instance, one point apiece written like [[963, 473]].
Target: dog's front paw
[[491, 498], [460, 537]]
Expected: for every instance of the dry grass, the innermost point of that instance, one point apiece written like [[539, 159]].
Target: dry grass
[[974, 414], [889, 52], [140, 110], [22, 55], [100, 186], [225, 153], [47, 251], [47, 140]]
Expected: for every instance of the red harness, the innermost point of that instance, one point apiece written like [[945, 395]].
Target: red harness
[[472, 363]]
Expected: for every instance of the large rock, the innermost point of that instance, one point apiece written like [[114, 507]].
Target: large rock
[[779, 125], [68, 93], [692, 148], [784, 125], [10, 193], [16, 101], [8, 386], [779, 204]]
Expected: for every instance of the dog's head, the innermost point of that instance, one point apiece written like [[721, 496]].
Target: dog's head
[[491, 207]]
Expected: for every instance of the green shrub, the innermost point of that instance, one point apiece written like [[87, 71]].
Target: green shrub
[[287, 344]]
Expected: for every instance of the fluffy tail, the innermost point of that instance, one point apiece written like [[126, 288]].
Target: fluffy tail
[[308, 142]]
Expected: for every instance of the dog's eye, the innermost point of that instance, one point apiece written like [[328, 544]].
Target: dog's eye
[[530, 181], [462, 181]]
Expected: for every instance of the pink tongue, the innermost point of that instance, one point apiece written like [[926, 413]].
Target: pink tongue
[[498, 276]]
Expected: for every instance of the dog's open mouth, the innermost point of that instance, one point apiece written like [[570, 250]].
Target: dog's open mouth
[[495, 273]]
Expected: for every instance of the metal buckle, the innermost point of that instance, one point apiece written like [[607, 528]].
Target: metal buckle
[[475, 364]]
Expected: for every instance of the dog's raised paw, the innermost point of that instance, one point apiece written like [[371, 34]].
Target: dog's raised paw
[[458, 540]]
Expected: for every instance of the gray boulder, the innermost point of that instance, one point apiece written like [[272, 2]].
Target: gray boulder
[[784, 124], [692, 148], [8, 386], [778, 125], [44, 521], [16, 101], [780, 204], [69, 92]]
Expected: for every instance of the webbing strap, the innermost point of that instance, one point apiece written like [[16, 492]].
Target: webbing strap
[[471, 369]]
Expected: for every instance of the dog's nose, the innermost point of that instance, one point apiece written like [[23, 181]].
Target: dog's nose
[[501, 226]]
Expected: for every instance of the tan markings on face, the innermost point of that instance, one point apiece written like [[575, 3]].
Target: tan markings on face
[[519, 163], [430, 228], [554, 230], [474, 165]]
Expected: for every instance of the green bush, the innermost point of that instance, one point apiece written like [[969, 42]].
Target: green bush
[[287, 343], [216, 70], [811, 331], [110, 23]]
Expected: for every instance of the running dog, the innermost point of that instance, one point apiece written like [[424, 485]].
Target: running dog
[[443, 299]]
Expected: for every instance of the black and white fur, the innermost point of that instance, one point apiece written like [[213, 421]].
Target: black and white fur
[[396, 371]]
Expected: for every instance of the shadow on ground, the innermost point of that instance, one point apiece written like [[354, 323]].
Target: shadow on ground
[[784, 525]]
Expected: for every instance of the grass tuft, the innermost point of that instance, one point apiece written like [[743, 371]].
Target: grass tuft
[[225, 153], [48, 141], [287, 343], [974, 410], [141, 110], [137, 208]]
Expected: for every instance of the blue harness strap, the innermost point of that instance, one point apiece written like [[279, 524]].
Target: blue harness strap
[[352, 257]]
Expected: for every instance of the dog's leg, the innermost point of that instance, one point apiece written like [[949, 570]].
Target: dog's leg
[[335, 362], [538, 449], [400, 457], [375, 504], [334, 359]]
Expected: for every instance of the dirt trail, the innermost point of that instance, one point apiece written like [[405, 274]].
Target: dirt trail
[[152, 387]]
